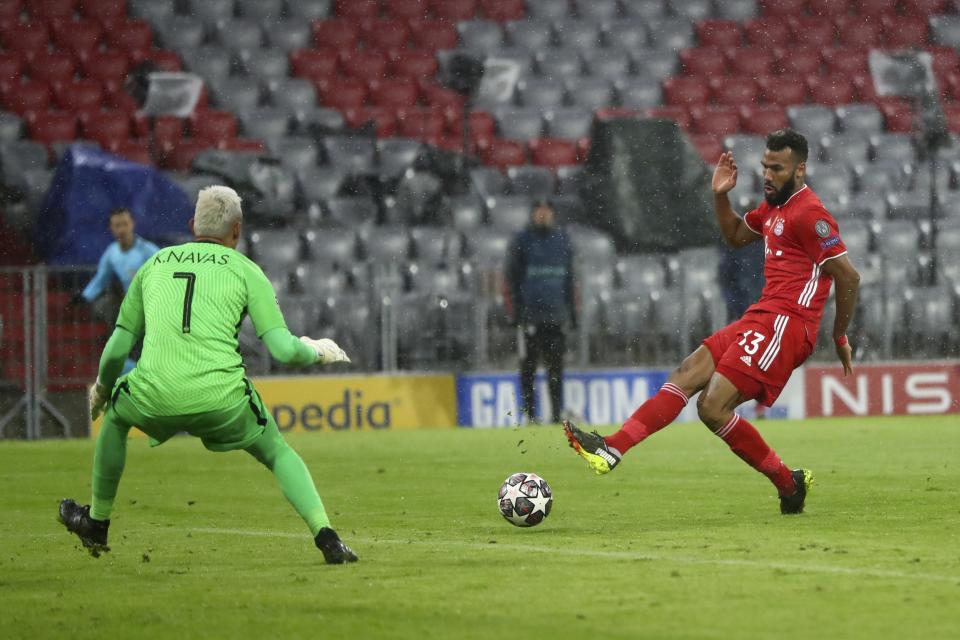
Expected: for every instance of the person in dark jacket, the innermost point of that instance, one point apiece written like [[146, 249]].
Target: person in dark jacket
[[540, 300]]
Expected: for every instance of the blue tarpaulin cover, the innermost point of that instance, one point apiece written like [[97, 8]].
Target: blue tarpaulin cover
[[73, 225]]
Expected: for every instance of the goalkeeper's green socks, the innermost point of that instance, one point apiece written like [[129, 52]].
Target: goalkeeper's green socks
[[109, 458], [292, 475]]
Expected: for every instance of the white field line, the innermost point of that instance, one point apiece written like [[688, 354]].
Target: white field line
[[617, 555]]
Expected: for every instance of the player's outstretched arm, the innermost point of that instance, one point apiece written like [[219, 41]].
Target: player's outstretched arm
[[111, 366], [734, 231], [288, 349], [847, 282]]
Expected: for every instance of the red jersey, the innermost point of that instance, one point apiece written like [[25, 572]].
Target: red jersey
[[798, 238]]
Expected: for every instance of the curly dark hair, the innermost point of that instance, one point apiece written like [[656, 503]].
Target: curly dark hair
[[788, 138]]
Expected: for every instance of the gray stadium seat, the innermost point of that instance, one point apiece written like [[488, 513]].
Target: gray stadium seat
[[332, 246], [153, 11], [548, 9], [542, 93], [484, 35], [893, 146], [239, 34], [296, 96], [534, 182], [418, 200], [309, 9], [288, 34], [919, 176], [672, 34], [568, 179], [235, 94], [740, 10], [180, 32], [645, 9], [262, 10], [211, 12], [488, 182], [607, 63], [466, 213], [509, 213], [266, 123], [869, 205], [277, 250], [856, 236], [640, 92], [387, 245], [320, 183], [898, 238], [908, 205], [353, 154], [266, 65], [630, 35], [812, 120], [846, 148], [830, 180], [352, 211], [880, 177], [209, 61], [694, 10], [577, 34], [435, 245], [488, 246], [593, 247], [11, 126], [35, 182], [396, 155], [322, 117], [572, 124], [864, 118], [559, 64], [656, 63], [522, 57], [295, 152], [747, 151], [641, 273], [590, 93], [19, 156], [519, 123], [597, 10], [531, 34], [945, 30], [319, 281]]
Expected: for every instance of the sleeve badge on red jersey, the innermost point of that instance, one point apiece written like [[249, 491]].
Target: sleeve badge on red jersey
[[822, 228]]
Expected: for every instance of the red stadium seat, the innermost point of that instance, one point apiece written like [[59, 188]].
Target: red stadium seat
[[782, 90], [135, 150], [28, 99], [110, 67], [343, 93], [762, 119], [904, 31], [358, 10], [829, 8], [181, 158], [677, 113], [406, 9], [767, 32], [553, 152], [799, 61], [167, 133], [79, 95], [719, 121], [338, 35], [395, 93], [832, 91], [685, 91], [52, 9], [813, 32], [55, 68], [708, 146], [857, 33], [433, 35], [876, 7], [213, 124], [165, 60], [719, 33], [78, 36], [11, 66], [783, 7], [244, 144], [750, 61], [863, 83], [503, 153], [314, 63], [450, 103], [703, 61], [130, 35], [924, 8], [108, 128], [29, 38], [897, 114], [735, 91], [953, 117], [104, 10], [414, 64], [846, 60], [386, 35], [53, 126], [421, 123], [945, 60], [503, 10], [365, 65], [122, 101], [384, 119], [454, 10], [482, 124], [10, 10]]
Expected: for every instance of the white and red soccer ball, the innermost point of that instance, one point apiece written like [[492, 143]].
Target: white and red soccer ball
[[525, 499]]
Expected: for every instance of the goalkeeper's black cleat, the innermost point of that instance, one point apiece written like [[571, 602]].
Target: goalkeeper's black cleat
[[592, 448], [92, 533], [334, 551], [794, 503]]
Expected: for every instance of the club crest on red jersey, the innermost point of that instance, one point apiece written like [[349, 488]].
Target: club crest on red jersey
[[822, 228], [778, 228]]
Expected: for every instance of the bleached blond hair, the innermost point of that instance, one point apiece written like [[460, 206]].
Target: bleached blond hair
[[218, 210]]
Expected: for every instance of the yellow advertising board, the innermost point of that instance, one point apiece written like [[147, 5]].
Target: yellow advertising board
[[355, 403]]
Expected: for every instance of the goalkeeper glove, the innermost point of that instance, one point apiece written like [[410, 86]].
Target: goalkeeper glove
[[326, 349], [99, 395]]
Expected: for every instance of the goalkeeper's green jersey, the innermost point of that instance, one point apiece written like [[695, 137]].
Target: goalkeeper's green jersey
[[188, 302]]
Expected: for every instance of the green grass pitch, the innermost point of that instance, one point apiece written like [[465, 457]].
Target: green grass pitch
[[682, 541]]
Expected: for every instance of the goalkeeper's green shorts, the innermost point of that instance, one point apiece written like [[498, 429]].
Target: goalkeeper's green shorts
[[226, 430]]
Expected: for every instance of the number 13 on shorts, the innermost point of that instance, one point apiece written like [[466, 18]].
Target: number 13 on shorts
[[751, 341]]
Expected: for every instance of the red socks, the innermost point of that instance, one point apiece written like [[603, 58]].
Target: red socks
[[745, 441], [653, 415]]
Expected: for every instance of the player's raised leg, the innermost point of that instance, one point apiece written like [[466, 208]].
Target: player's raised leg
[[603, 454], [297, 485], [716, 407]]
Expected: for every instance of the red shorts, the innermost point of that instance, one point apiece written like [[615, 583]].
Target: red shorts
[[758, 352]]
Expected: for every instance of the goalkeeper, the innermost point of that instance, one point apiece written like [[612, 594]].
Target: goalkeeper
[[188, 302]]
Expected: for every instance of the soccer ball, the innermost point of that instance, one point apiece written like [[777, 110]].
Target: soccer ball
[[525, 499]]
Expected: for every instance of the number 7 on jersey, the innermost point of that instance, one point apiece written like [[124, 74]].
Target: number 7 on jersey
[[191, 279]]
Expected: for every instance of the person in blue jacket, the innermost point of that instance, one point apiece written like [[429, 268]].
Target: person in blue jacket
[[539, 279], [119, 263]]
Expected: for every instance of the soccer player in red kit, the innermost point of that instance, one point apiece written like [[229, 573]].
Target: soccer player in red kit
[[752, 358]]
